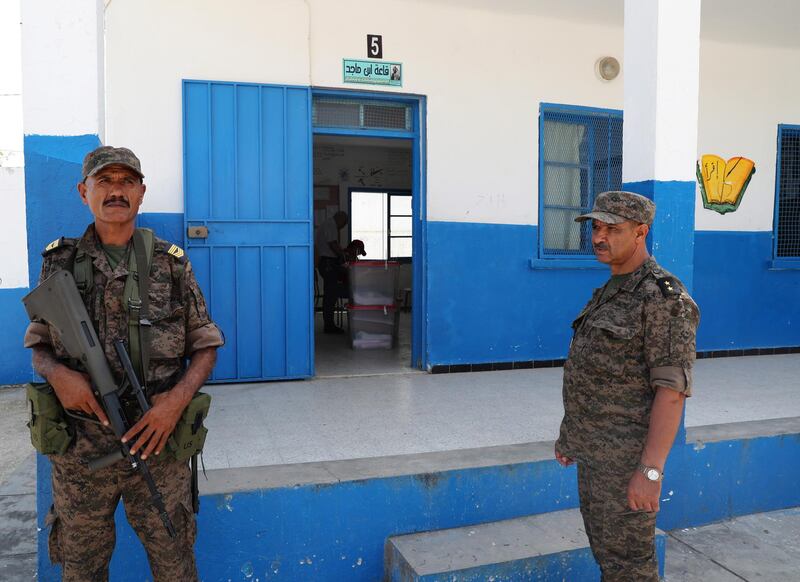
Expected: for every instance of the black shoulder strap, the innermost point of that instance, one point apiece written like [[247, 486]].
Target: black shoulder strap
[[80, 264]]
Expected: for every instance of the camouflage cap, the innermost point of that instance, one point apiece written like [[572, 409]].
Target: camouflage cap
[[105, 156], [616, 207]]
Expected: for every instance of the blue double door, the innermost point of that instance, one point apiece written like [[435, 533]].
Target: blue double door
[[249, 223]]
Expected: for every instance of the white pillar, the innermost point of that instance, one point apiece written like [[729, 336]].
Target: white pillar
[[62, 67], [63, 108], [63, 96], [13, 237], [662, 64]]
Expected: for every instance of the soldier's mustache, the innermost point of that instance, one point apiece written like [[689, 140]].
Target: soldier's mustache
[[601, 247], [116, 201]]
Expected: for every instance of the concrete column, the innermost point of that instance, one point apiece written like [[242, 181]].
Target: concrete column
[[63, 111], [662, 64], [14, 360]]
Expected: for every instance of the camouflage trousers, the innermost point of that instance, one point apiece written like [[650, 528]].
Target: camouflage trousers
[[622, 540], [82, 533]]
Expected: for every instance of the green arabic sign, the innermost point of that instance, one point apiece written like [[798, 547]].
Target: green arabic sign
[[372, 72]]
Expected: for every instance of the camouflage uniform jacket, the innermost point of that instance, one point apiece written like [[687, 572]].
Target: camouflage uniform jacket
[[625, 346], [180, 321]]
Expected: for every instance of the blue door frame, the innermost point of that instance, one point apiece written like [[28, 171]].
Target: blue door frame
[[419, 285]]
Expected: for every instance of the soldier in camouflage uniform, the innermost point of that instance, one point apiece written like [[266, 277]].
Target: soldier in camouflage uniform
[[82, 532], [628, 373]]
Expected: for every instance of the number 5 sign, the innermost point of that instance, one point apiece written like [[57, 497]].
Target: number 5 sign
[[374, 46]]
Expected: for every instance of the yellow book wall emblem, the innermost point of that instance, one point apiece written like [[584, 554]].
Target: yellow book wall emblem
[[722, 184]]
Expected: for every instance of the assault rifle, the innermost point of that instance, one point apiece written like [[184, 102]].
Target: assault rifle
[[57, 301]]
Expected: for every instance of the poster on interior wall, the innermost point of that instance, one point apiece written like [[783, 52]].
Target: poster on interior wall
[[722, 184], [372, 72]]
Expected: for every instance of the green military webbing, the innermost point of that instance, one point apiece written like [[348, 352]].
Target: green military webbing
[[135, 296], [82, 271]]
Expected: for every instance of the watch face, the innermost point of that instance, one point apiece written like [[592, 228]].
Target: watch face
[[652, 474]]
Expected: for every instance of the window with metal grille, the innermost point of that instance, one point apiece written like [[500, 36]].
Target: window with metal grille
[[360, 114], [580, 155], [787, 195]]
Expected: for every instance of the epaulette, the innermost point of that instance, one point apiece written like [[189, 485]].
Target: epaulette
[[177, 252], [57, 244], [670, 286]]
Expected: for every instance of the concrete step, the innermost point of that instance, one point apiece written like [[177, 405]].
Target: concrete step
[[547, 547]]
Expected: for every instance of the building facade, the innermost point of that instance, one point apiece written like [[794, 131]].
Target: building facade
[[500, 126]]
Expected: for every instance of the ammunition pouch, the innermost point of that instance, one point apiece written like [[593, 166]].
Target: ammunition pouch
[[189, 435], [51, 433]]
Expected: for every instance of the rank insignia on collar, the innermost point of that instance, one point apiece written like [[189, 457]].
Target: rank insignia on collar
[[175, 251]]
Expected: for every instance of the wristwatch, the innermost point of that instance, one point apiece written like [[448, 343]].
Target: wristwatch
[[652, 473]]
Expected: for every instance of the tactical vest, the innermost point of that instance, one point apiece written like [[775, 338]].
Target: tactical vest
[[135, 295]]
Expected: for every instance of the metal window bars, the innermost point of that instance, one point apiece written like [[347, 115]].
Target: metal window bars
[[581, 156]]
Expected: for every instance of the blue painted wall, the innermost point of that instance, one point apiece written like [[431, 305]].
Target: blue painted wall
[[486, 303], [337, 532], [166, 225], [53, 209], [672, 232], [53, 205], [743, 303], [15, 361], [320, 532]]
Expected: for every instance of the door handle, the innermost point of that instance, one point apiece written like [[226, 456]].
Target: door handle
[[197, 232]]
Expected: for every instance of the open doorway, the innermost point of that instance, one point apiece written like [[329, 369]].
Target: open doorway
[[363, 191]]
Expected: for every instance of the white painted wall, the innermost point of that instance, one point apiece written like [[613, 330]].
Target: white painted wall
[[484, 67], [10, 85], [151, 45], [13, 235], [662, 44], [353, 166], [481, 158], [745, 92], [62, 60]]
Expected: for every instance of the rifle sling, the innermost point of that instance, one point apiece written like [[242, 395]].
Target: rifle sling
[[139, 318]]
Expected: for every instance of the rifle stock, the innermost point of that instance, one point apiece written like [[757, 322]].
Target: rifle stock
[[57, 301]]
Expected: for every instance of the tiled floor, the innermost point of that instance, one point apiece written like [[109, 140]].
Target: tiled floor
[[368, 416], [341, 418], [334, 356], [762, 547]]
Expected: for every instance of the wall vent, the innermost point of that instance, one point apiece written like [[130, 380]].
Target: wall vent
[[360, 114]]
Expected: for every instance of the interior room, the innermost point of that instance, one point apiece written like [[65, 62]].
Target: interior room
[[370, 180]]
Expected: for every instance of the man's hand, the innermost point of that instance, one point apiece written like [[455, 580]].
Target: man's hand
[[563, 460], [75, 393], [643, 494], [155, 427]]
